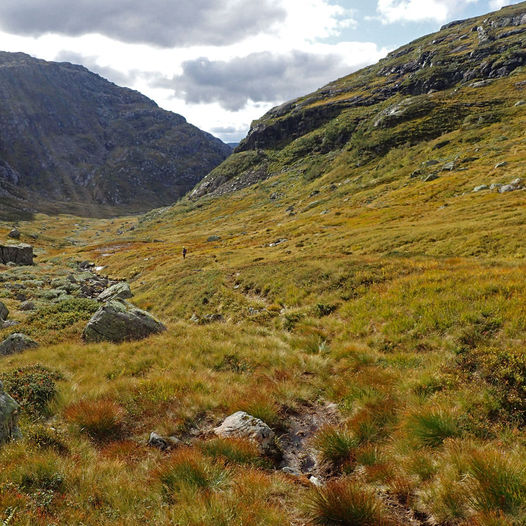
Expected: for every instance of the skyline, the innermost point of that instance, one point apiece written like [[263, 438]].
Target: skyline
[[222, 64]]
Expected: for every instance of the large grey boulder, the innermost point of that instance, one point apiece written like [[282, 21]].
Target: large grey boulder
[[8, 417], [4, 312], [119, 321], [16, 343], [19, 254], [243, 425], [119, 291]]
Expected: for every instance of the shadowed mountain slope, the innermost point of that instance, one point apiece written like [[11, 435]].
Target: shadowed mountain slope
[[72, 141]]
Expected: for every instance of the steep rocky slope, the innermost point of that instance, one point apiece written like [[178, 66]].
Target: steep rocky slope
[[72, 141], [435, 85]]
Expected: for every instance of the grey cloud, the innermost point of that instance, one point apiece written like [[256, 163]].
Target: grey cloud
[[90, 62], [165, 23], [259, 77]]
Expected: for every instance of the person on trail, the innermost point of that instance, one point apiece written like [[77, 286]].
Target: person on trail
[[184, 252]]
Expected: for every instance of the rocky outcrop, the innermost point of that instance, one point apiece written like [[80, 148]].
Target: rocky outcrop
[[8, 417], [18, 254], [243, 425], [361, 112], [16, 343], [119, 321], [69, 135]]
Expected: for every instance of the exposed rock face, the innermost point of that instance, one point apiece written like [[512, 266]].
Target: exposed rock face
[[4, 312], [243, 425], [69, 135], [118, 321], [119, 291], [361, 112], [8, 417], [16, 343], [19, 254]]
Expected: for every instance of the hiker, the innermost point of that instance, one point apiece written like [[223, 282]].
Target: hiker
[[184, 252]]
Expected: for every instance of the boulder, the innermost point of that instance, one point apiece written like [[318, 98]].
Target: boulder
[[14, 234], [4, 312], [243, 425], [163, 443], [119, 321], [8, 417], [516, 184], [18, 254], [119, 291], [16, 343]]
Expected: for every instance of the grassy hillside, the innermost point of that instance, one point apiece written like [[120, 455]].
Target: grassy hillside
[[375, 320]]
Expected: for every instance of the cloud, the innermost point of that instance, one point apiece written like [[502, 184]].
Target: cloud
[[118, 77], [261, 77], [162, 23], [392, 11], [497, 4]]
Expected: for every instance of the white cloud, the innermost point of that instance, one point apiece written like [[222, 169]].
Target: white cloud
[[294, 42], [497, 4], [392, 11]]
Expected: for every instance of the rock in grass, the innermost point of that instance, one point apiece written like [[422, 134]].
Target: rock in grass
[[4, 312], [14, 234], [8, 417], [481, 187], [17, 254], [243, 425], [119, 291], [16, 343], [119, 321], [163, 443]]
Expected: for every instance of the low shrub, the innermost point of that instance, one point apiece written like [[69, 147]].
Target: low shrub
[[33, 387]]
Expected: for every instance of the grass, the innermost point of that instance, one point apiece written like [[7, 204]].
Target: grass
[[347, 503]]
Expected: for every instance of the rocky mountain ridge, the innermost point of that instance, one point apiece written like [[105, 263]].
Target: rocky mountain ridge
[[348, 114], [72, 141]]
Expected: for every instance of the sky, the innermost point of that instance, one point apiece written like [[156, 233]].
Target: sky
[[223, 63]]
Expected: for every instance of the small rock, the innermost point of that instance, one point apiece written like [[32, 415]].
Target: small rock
[[501, 164], [16, 343], [430, 177], [8, 323], [8, 417], [4, 312], [14, 234], [315, 481], [449, 167], [520, 103], [243, 425], [27, 305], [210, 239], [480, 188], [163, 443], [511, 187]]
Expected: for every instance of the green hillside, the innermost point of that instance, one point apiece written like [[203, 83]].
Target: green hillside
[[355, 278]]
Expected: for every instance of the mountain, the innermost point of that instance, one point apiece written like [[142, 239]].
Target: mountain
[[435, 85], [70, 141]]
